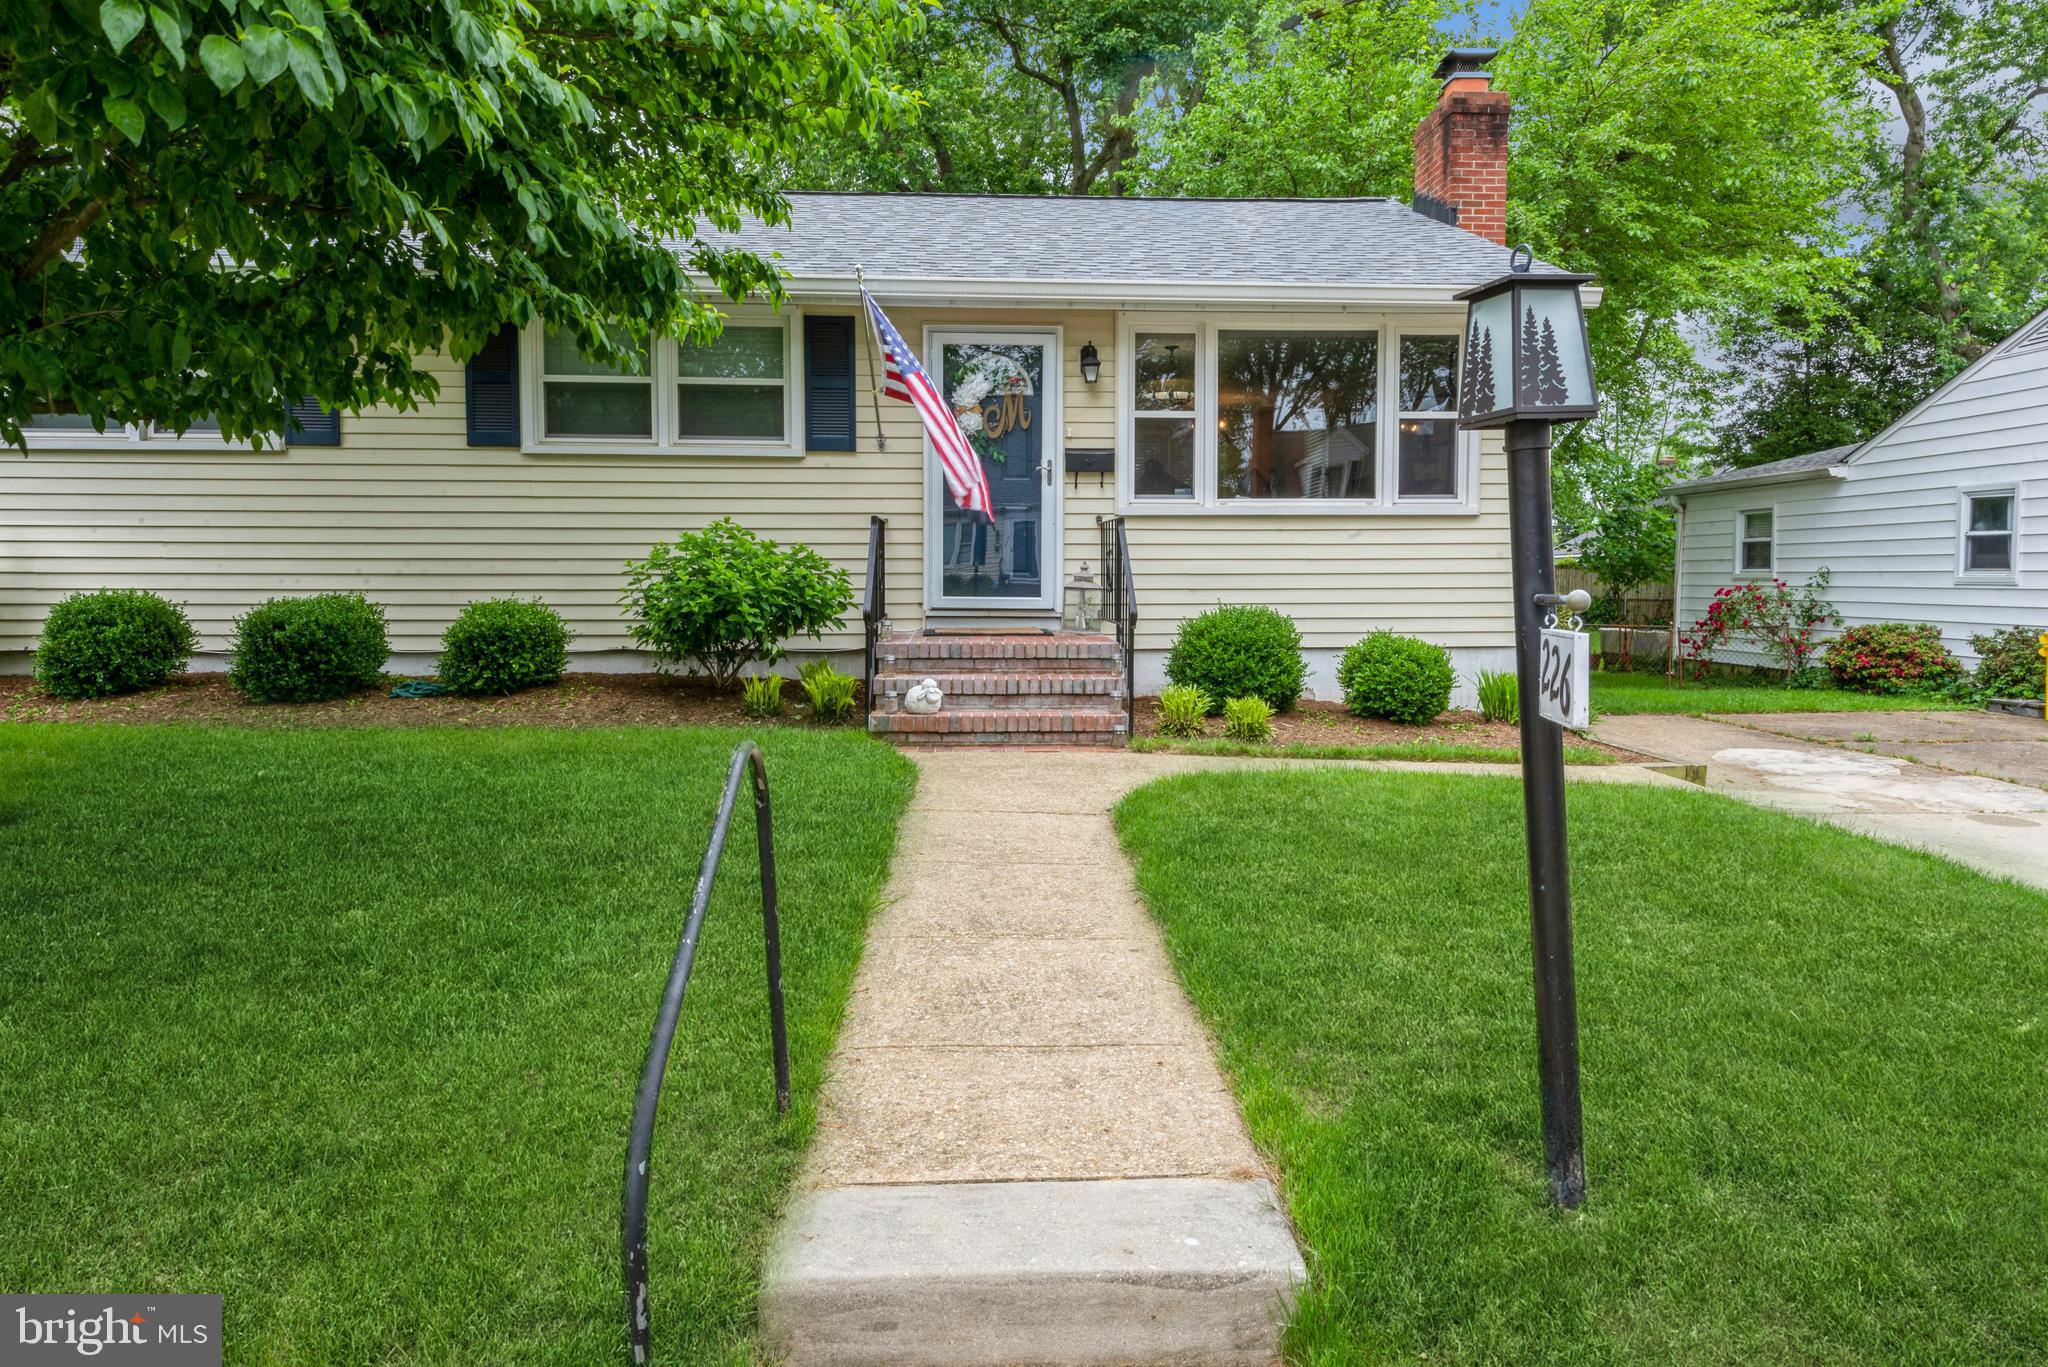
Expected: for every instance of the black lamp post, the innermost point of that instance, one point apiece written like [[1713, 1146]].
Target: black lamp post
[[1527, 365]]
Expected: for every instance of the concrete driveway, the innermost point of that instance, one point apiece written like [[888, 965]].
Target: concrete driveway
[[1990, 744], [1871, 785]]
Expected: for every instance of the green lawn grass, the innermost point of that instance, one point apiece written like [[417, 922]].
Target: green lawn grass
[[1815, 1072], [1424, 751], [346, 1026], [1616, 694]]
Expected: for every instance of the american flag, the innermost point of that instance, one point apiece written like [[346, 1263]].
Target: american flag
[[903, 378]]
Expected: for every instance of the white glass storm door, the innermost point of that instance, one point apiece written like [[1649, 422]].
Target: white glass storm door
[[1004, 387]]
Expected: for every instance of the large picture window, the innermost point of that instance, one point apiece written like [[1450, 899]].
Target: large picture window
[[731, 395], [1297, 414], [1235, 413]]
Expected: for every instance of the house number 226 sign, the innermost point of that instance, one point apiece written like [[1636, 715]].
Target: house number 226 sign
[[1563, 678]]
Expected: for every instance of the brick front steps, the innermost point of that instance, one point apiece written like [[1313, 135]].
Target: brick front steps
[[1002, 689]]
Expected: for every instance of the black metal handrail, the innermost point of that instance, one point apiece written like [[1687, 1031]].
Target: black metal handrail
[[1122, 596], [874, 605], [640, 1142]]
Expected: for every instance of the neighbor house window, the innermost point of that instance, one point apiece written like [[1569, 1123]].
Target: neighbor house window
[[1988, 533], [1426, 463], [733, 394], [1297, 414], [1228, 414], [582, 398], [736, 386], [1753, 555], [1163, 415]]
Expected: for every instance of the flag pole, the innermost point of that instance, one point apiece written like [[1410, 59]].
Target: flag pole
[[874, 360]]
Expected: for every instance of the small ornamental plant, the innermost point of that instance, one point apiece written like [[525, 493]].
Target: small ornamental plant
[[95, 645], [501, 645], [2010, 663], [1892, 657], [761, 696], [1181, 710], [829, 692], [309, 649], [721, 599], [1775, 618], [1398, 678], [1248, 719], [1500, 695], [1240, 651]]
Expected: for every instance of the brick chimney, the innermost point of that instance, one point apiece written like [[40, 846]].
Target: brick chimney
[[1461, 149]]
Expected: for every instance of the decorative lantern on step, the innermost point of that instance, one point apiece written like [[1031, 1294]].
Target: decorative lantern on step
[[1082, 607]]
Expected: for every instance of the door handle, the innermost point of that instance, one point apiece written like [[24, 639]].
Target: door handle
[[1045, 468]]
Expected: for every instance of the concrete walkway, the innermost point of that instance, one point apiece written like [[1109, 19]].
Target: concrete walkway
[[1026, 1151], [2000, 828]]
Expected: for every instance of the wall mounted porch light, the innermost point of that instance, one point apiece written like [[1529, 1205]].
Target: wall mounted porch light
[[1091, 364]]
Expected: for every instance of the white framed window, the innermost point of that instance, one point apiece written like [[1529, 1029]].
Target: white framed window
[[1426, 442], [1163, 409], [1755, 540], [1986, 547], [75, 432], [736, 395], [1249, 413]]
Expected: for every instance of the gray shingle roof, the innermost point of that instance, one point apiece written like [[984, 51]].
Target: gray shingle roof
[[1769, 470], [1096, 239]]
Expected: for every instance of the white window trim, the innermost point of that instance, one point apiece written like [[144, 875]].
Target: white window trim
[[137, 437], [1965, 575], [1769, 571], [663, 378], [1204, 326]]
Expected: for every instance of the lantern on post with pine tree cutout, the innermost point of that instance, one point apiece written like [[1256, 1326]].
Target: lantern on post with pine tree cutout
[[1526, 354]]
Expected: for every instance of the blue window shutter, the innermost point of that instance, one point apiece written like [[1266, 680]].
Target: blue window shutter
[[493, 391], [828, 383], [308, 424]]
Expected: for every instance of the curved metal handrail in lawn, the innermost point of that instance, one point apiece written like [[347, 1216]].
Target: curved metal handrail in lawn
[[633, 1220]]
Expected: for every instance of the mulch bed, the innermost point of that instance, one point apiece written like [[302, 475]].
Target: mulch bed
[[639, 700], [578, 700], [1329, 723]]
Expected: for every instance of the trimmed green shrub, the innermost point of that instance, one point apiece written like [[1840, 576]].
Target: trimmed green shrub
[[1181, 709], [829, 692], [309, 649], [761, 696], [720, 599], [114, 641], [501, 645], [1248, 719], [1892, 657], [1500, 695], [1396, 677], [2009, 663], [1239, 651]]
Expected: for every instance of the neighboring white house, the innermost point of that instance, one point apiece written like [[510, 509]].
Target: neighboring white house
[[1263, 389], [1942, 517]]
